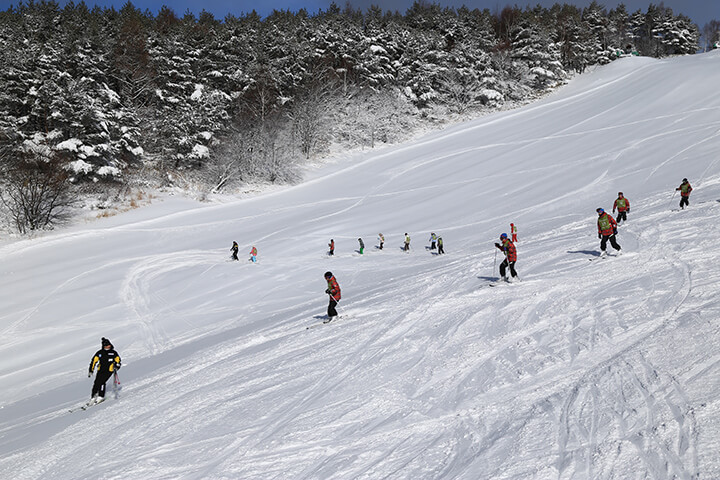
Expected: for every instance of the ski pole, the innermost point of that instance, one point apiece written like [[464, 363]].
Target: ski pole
[[494, 262], [671, 198]]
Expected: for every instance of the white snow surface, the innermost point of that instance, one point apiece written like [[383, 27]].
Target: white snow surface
[[604, 369]]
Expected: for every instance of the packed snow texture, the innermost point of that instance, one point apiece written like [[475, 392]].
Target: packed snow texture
[[585, 369]]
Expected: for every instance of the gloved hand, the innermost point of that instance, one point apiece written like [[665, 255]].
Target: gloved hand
[[89, 374], [600, 235], [497, 245], [614, 231], [628, 210], [327, 290]]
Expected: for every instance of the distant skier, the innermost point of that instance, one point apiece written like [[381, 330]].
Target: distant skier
[[406, 247], [607, 229], [234, 250], [685, 190], [253, 254], [513, 232], [440, 248], [382, 240], [623, 207], [332, 247], [432, 240], [362, 246], [107, 362], [508, 248], [333, 291]]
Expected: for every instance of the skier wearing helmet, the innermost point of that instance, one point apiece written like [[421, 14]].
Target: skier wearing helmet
[[607, 229], [685, 190], [623, 207], [333, 291], [508, 248], [107, 362]]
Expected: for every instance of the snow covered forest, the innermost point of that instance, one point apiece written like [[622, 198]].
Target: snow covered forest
[[96, 102]]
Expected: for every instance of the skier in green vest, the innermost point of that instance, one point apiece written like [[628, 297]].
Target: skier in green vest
[[623, 207], [607, 229]]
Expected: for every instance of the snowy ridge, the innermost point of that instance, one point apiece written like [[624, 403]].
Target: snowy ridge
[[605, 369]]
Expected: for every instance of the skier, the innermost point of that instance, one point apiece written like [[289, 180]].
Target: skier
[[406, 247], [433, 239], [513, 232], [382, 240], [441, 250], [508, 248], [685, 190], [362, 246], [234, 250], [607, 229], [332, 247], [253, 254], [623, 207], [108, 362], [333, 291]]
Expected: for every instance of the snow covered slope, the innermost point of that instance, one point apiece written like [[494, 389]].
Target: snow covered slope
[[585, 369]]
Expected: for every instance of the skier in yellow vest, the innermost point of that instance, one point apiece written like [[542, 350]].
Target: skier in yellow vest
[[623, 207]]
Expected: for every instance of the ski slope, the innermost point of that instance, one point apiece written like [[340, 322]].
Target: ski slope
[[606, 369]]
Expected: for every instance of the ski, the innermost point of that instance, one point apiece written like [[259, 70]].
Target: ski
[[324, 322]]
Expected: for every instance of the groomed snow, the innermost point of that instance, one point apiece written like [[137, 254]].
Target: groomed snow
[[586, 369]]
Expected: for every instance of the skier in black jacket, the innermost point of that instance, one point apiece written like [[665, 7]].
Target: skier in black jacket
[[108, 362]]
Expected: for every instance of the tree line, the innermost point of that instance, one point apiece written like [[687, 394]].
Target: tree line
[[97, 100]]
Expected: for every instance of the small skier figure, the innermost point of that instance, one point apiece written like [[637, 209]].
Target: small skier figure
[[508, 248], [332, 247], [685, 190], [362, 246], [253, 254], [441, 250], [513, 232], [406, 247], [623, 207], [382, 240], [234, 250], [607, 229], [433, 239], [333, 291], [108, 362]]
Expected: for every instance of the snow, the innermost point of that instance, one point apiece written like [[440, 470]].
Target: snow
[[584, 369], [197, 94], [200, 151], [71, 145]]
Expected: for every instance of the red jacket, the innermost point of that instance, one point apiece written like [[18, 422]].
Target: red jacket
[[508, 248], [606, 224], [685, 189], [622, 204], [334, 288]]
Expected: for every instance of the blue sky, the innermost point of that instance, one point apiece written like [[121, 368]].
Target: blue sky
[[700, 11]]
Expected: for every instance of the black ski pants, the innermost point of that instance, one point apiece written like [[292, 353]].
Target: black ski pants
[[506, 264], [331, 308], [621, 216], [100, 380], [440, 249], [613, 242], [684, 201]]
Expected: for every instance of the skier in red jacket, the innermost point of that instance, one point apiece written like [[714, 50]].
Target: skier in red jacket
[[622, 205], [333, 291], [607, 229], [685, 190], [508, 248]]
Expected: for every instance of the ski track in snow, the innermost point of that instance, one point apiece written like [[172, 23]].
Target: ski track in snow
[[605, 369]]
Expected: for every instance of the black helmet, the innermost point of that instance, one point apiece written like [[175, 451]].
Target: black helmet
[[685, 180], [105, 342], [328, 274]]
